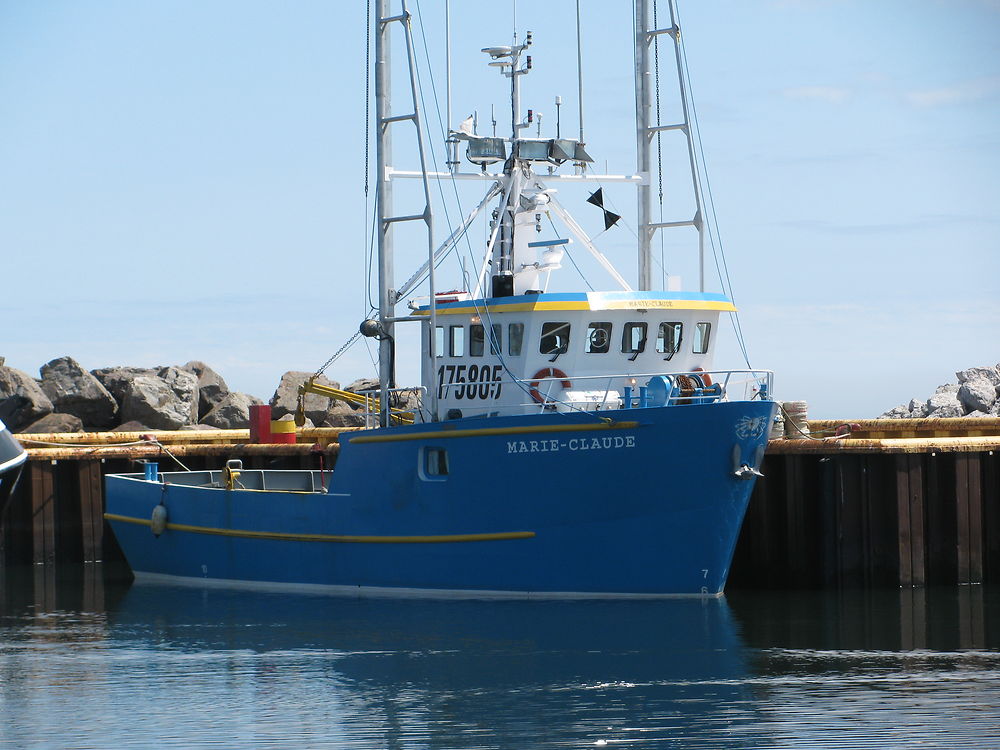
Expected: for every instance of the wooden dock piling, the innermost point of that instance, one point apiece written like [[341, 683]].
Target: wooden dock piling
[[895, 503]]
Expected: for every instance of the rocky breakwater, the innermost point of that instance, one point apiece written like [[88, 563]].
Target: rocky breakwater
[[68, 398], [976, 394]]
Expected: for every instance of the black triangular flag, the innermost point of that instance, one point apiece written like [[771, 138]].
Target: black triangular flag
[[597, 198]]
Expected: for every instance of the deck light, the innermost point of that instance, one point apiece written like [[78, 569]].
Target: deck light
[[533, 150], [485, 151]]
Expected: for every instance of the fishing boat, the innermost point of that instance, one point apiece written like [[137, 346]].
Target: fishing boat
[[565, 443]]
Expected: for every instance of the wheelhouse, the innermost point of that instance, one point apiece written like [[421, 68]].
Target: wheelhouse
[[531, 352]]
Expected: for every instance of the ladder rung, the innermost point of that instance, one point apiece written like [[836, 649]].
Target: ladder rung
[[669, 224], [414, 217], [672, 31], [398, 118], [661, 128]]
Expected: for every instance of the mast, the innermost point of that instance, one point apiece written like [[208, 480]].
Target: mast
[[384, 119], [383, 199], [644, 86], [643, 141]]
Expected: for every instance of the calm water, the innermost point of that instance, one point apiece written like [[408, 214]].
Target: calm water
[[87, 664]]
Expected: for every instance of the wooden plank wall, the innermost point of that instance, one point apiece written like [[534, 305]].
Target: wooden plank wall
[[872, 520]]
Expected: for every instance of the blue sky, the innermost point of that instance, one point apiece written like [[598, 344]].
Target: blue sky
[[184, 180]]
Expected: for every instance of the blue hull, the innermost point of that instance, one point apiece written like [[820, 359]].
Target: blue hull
[[647, 504]]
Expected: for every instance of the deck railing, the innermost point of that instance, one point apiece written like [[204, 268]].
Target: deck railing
[[594, 393]]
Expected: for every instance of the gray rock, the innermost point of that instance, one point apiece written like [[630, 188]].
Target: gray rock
[[977, 394], [991, 374], [948, 411], [943, 399], [232, 412], [897, 412], [166, 401], [22, 400], [286, 397], [918, 408], [211, 386], [341, 414], [362, 384], [117, 379], [197, 428], [73, 390], [976, 414], [131, 426], [947, 388], [185, 388], [55, 423]]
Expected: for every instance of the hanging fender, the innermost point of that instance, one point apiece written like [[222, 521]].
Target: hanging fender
[[548, 372]]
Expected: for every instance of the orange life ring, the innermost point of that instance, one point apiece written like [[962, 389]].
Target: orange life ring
[[706, 378], [548, 372]]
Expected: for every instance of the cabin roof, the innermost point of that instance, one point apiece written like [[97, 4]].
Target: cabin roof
[[586, 301]]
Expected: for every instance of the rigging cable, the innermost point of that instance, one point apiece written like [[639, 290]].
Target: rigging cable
[[444, 134], [724, 270]]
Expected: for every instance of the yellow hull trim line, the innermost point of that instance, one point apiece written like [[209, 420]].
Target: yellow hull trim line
[[341, 538], [443, 434]]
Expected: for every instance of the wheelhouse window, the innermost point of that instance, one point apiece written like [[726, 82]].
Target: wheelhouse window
[[495, 338], [439, 341], [515, 335], [702, 333], [668, 338], [598, 338], [456, 341], [555, 338], [477, 340], [634, 338]]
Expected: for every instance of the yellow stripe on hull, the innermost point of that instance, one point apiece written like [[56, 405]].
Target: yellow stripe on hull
[[339, 538], [443, 434]]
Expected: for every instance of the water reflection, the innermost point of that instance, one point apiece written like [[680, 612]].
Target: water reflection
[[406, 673], [85, 662]]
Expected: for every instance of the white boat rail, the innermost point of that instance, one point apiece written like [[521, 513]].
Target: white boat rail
[[595, 393]]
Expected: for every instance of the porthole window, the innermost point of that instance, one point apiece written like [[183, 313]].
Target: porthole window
[[456, 341], [555, 338], [668, 338], [515, 335], [702, 333], [634, 338], [598, 338], [434, 464], [477, 340]]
